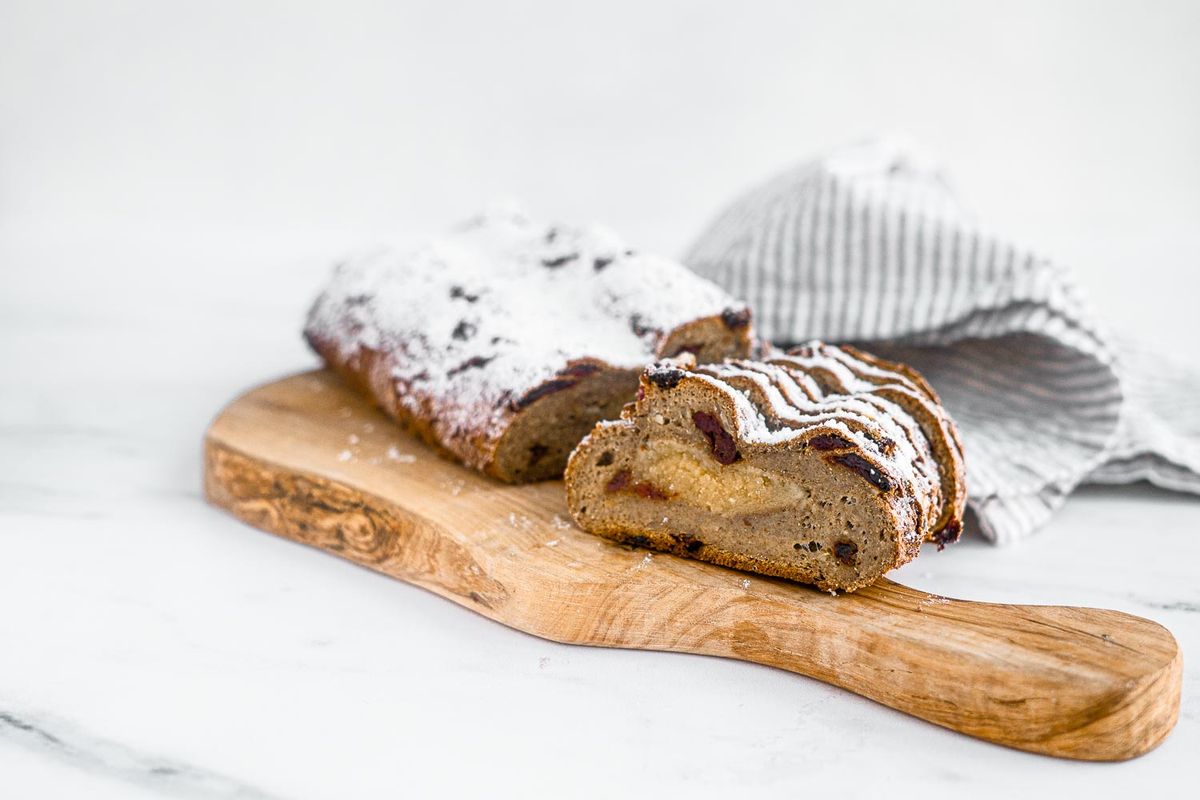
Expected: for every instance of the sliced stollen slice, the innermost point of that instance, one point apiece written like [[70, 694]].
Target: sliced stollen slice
[[763, 468]]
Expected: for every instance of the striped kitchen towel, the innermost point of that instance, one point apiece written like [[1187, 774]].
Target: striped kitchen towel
[[869, 245]]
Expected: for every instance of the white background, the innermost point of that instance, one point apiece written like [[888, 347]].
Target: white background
[[1074, 126], [174, 180]]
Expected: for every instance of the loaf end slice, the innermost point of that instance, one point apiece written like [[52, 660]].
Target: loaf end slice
[[502, 343]]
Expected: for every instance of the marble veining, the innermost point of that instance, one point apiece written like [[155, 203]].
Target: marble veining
[[78, 749]]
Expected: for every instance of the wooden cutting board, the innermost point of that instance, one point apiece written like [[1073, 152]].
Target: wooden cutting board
[[309, 460]]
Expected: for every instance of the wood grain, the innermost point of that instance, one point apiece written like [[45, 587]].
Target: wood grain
[[307, 459]]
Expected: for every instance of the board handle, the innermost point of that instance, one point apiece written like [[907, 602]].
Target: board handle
[[1079, 683]]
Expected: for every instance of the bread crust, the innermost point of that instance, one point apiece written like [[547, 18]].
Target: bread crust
[[483, 446]]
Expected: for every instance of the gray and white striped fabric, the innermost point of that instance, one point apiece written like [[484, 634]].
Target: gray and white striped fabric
[[869, 246]]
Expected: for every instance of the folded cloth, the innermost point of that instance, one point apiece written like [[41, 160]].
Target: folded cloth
[[869, 245]]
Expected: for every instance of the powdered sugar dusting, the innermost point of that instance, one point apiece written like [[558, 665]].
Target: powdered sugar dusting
[[476, 319], [519, 521], [394, 454]]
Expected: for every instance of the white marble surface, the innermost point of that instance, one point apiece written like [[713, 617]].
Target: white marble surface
[[173, 179], [154, 647]]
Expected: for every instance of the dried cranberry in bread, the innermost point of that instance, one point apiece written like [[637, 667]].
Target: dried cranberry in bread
[[825, 466], [503, 343]]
